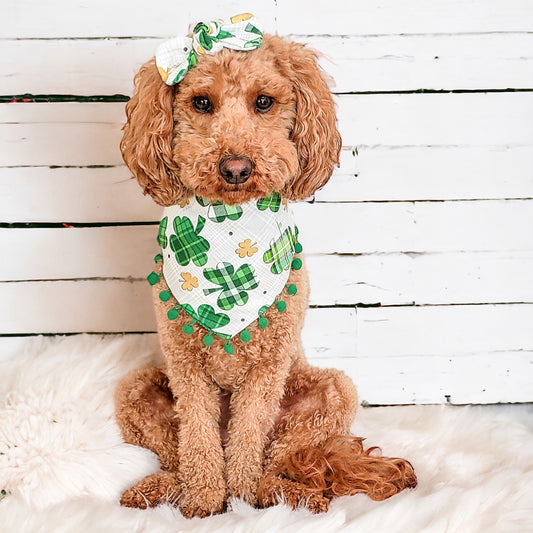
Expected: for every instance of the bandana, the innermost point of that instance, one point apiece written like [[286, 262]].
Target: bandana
[[175, 57], [227, 264]]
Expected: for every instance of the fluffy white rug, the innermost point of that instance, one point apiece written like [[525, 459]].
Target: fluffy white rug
[[64, 465]]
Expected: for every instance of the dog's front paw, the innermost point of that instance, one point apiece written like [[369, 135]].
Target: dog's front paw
[[153, 490], [243, 480], [208, 502]]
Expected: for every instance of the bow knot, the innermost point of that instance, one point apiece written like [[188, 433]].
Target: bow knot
[[175, 57]]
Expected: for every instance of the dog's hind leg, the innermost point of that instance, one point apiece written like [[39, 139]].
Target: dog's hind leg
[[312, 458], [145, 415]]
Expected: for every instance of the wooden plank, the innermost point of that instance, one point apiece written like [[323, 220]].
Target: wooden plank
[[415, 227], [357, 63], [481, 379], [485, 378], [386, 279], [98, 18], [443, 330], [89, 134], [43, 194], [433, 173]]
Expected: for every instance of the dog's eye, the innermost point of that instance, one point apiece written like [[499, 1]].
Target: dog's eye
[[263, 103], [202, 104]]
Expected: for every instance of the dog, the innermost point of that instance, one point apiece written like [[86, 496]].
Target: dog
[[242, 418]]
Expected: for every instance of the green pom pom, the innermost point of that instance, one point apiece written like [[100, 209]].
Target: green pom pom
[[297, 263], [281, 305], [158, 258], [208, 339], [263, 322], [228, 348], [187, 329], [292, 289], [298, 248], [173, 314], [164, 296], [245, 335], [152, 278]]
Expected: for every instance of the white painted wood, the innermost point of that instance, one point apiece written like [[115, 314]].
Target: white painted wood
[[357, 63], [98, 18], [433, 173], [89, 133], [482, 378], [386, 279], [42, 194], [490, 225], [443, 330]]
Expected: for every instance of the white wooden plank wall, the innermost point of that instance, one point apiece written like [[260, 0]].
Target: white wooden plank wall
[[425, 296]]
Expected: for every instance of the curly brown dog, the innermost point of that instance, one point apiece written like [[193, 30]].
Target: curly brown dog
[[261, 424]]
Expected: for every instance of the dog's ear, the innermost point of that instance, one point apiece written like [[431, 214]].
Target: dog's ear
[[315, 133], [146, 144]]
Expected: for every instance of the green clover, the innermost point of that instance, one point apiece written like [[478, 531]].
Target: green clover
[[272, 202], [281, 251], [187, 244], [218, 212], [232, 284], [161, 236], [207, 316]]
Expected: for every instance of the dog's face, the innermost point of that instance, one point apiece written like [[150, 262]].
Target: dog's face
[[239, 126]]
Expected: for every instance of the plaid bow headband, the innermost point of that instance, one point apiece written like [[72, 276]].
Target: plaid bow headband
[[175, 57]]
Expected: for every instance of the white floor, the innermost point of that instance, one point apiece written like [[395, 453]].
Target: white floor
[[63, 463]]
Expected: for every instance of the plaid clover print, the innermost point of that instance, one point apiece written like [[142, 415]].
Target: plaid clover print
[[272, 202], [281, 251], [232, 284], [161, 236], [218, 212], [187, 244]]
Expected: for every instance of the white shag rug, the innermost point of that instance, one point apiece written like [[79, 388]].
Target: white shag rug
[[64, 466]]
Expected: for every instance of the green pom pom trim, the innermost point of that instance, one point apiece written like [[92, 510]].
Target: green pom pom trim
[[158, 258], [187, 329], [298, 248], [208, 339], [281, 305], [153, 278], [164, 296], [292, 289], [296, 263], [228, 348], [263, 322], [245, 336], [172, 314]]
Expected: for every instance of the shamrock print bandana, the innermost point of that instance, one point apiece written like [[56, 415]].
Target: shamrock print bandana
[[175, 57], [226, 264]]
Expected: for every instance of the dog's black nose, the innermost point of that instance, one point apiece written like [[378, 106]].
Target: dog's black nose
[[235, 169]]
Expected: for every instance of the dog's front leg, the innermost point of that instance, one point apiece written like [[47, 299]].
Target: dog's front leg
[[253, 406], [201, 458]]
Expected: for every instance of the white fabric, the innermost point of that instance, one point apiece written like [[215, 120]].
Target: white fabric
[[240, 242], [64, 464]]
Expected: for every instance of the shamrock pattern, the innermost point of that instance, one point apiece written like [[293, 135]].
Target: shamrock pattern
[[232, 284], [187, 244], [206, 316], [218, 212], [272, 202], [281, 251], [161, 236]]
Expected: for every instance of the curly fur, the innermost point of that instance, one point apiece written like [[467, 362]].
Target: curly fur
[[261, 424]]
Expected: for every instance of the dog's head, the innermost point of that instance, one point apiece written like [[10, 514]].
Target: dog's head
[[240, 125]]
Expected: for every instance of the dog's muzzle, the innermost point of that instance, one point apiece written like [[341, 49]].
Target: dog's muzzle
[[235, 169]]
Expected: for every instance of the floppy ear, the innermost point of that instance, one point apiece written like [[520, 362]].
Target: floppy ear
[[146, 144], [315, 133]]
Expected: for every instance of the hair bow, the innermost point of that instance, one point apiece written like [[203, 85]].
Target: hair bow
[[175, 57]]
